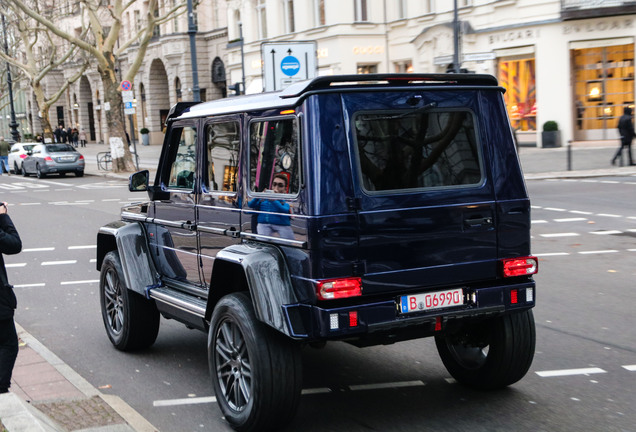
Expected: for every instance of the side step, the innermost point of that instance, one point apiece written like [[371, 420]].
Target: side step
[[179, 300]]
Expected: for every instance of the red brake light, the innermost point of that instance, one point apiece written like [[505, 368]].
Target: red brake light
[[48, 159], [22, 156], [81, 157], [522, 266], [338, 288]]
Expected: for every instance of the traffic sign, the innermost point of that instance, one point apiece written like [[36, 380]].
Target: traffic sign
[[126, 85], [287, 62]]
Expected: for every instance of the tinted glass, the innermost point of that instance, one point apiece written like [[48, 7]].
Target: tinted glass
[[222, 144], [182, 156], [417, 150], [57, 148], [274, 151]]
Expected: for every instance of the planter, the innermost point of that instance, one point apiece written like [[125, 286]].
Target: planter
[[551, 139], [145, 139]]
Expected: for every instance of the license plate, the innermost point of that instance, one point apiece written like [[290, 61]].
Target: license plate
[[66, 159], [432, 300]]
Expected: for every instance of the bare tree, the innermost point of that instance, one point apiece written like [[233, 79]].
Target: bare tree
[[99, 39], [30, 36]]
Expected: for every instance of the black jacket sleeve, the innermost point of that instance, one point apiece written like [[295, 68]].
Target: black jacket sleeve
[[10, 242]]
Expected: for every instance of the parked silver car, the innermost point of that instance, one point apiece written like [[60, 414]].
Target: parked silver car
[[44, 159], [18, 153]]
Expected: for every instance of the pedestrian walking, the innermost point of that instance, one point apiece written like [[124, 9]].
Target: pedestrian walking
[[10, 243], [626, 131], [5, 148], [75, 137], [58, 134], [82, 138]]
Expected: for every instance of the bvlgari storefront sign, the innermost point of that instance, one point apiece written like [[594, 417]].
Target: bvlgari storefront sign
[[593, 26], [513, 35]]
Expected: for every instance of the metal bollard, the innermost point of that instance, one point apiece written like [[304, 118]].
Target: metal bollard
[[569, 155]]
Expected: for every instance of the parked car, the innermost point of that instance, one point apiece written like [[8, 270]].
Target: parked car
[[60, 158], [369, 209], [18, 153]]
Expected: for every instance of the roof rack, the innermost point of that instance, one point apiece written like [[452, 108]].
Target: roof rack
[[330, 81]]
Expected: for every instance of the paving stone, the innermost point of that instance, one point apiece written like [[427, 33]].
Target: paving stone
[[78, 414]]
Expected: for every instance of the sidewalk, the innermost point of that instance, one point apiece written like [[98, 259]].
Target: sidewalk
[[48, 396]]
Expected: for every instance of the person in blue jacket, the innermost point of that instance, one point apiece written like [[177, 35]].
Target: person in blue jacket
[[270, 221], [10, 243]]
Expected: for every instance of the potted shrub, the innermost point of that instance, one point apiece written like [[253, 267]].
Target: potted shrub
[[144, 136], [551, 135]]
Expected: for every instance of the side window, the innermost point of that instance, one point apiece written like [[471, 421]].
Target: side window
[[222, 146], [274, 152], [182, 157], [419, 150]]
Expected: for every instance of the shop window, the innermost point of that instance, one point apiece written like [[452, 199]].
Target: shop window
[[367, 69], [518, 77], [603, 85]]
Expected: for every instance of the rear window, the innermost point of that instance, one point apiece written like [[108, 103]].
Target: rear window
[[417, 150], [57, 148]]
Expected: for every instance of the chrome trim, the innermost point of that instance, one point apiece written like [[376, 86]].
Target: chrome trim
[[274, 240], [134, 217], [212, 230], [170, 223], [177, 302]]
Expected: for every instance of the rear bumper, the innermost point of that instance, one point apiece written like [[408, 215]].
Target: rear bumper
[[382, 319]]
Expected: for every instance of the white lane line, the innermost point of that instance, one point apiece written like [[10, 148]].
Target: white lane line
[[63, 203], [589, 181], [570, 234], [539, 221], [555, 209], [29, 204], [85, 201], [535, 207], [29, 285], [184, 401], [609, 181], [43, 249], [319, 390], [111, 199], [581, 212], [631, 368], [48, 263], [386, 385], [607, 232], [92, 260], [576, 219], [598, 252], [83, 247], [569, 372], [79, 282], [631, 230], [608, 215], [552, 254], [631, 250], [631, 217], [15, 265]]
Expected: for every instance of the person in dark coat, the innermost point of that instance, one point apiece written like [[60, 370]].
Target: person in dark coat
[[626, 130], [58, 134], [10, 243]]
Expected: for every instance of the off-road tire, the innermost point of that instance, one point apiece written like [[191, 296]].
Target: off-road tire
[[256, 372], [490, 354], [131, 321]]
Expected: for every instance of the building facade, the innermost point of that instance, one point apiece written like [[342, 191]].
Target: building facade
[[569, 61]]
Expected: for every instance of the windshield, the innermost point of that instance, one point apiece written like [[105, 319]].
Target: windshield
[[57, 148], [417, 150]]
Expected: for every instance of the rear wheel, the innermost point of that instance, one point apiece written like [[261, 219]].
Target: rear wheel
[[79, 173], [131, 321], [39, 172], [256, 371], [15, 168], [490, 354], [24, 172]]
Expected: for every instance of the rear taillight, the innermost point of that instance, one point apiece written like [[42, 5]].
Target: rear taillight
[[81, 157], [522, 266], [22, 156], [48, 159], [331, 289]]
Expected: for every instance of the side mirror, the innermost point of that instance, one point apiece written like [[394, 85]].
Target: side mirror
[[29, 152], [138, 182]]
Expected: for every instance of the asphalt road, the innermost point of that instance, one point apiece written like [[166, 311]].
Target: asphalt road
[[583, 377]]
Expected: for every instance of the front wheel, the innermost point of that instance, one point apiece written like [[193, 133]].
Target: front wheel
[[490, 354], [24, 171], [131, 321], [256, 372]]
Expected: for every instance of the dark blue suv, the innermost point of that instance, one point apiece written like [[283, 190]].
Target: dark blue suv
[[365, 208]]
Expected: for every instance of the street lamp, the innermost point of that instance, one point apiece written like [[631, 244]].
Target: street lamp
[[192, 31], [13, 125]]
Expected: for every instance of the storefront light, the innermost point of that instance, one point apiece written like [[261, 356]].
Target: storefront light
[[594, 91]]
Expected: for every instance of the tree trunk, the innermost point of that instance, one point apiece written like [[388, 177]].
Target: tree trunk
[[115, 122]]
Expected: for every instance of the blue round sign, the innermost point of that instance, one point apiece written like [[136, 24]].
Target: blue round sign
[[290, 65]]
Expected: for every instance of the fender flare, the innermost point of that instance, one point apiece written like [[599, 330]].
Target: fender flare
[[130, 240], [268, 280]]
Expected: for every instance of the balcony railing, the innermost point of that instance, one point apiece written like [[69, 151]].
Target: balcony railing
[[580, 9]]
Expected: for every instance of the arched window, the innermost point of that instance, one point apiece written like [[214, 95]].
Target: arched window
[[177, 86]]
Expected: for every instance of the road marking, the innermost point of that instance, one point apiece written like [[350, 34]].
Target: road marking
[[569, 372], [47, 263], [555, 209], [581, 212], [83, 247], [539, 221], [631, 368], [570, 234], [61, 203], [29, 285], [79, 282], [598, 252], [29, 204], [608, 215], [316, 391], [386, 385], [184, 401], [111, 199], [607, 232], [44, 249], [609, 181], [577, 219], [552, 254], [15, 265]]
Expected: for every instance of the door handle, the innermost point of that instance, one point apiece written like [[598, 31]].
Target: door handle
[[478, 222]]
